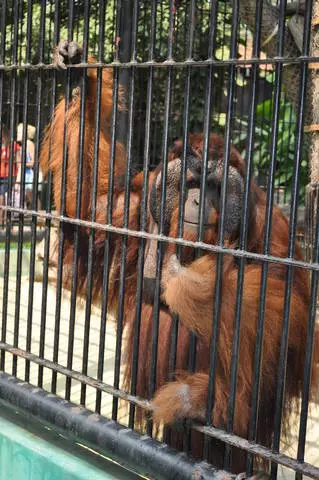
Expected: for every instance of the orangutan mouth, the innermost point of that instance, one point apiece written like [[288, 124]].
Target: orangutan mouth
[[195, 225]]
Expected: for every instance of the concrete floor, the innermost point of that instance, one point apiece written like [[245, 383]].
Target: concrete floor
[[63, 341], [312, 450]]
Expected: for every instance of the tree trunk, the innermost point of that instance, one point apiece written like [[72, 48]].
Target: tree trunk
[[270, 19], [312, 130], [291, 80]]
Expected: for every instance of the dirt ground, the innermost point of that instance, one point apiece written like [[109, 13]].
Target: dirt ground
[[312, 450]]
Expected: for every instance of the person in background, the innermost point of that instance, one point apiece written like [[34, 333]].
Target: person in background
[[5, 167], [29, 165]]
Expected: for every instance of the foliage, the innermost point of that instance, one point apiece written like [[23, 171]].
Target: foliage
[[47, 11], [175, 25], [284, 150]]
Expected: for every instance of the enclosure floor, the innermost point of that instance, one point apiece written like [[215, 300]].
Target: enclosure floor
[[312, 450], [95, 320]]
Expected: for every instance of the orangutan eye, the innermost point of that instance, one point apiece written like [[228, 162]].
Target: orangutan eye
[[191, 184]]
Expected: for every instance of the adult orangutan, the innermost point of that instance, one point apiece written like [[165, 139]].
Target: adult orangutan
[[188, 290], [187, 285], [51, 159]]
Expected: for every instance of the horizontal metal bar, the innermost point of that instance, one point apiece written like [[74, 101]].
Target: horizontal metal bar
[[213, 432], [168, 63], [256, 449], [163, 238], [90, 381], [140, 453]]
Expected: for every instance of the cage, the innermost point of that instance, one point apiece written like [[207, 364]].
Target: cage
[[141, 340]]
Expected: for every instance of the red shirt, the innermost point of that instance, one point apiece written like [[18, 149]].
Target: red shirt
[[5, 160]]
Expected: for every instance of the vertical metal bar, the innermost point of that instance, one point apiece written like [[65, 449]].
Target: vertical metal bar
[[313, 298], [175, 320], [107, 259], [268, 224], [243, 233], [125, 44], [10, 182], [309, 352], [189, 53], [39, 99], [291, 242], [22, 186], [157, 75], [206, 131], [141, 107], [93, 217], [49, 191], [78, 205], [117, 15], [143, 221], [62, 208], [120, 314], [160, 246], [219, 265], [2, 59]]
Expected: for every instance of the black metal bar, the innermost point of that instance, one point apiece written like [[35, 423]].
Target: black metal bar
[[172, 63], [107, 259], [130, 129], [141, 454], [312, 310], [291, 242], [80, 377], [125, 34], [78, 205], [22, 192], [22, 183], [268, 225], [39, 97], [49, 192], [93, 215], [243, 234], [10, 182], [258, 450], [219, 264], [163, 238], [62, 209], [174, 334], [2, 57], [309, 352], [143, 221], [175, 320], [68, 94], [206, 131], [87, 6], [207, 116], [160, 245]]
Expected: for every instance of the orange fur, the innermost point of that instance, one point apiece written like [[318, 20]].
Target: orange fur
[[51, 159], [51, 156]]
